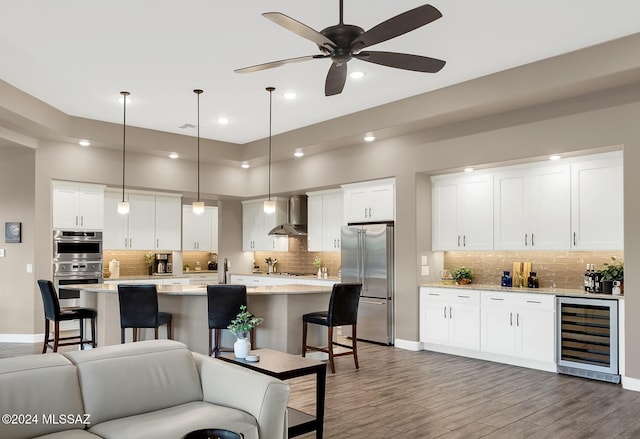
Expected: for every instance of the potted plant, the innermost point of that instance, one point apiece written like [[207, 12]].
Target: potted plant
[[240, 327], [462, 275], [318, 263], [148, 259], [611, 272]]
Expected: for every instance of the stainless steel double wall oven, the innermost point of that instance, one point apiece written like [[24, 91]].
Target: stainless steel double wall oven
[[77, 259]]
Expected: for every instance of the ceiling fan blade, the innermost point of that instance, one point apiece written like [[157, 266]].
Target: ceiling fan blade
[[396, 26], [279, 63], [336, 79], [403, 61], [300, 29]]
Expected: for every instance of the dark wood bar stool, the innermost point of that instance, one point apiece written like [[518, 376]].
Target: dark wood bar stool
[[223, 303], [139, 309], [54, 313], [343, 310]]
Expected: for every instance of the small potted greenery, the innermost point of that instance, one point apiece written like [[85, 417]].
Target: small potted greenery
[[149, 258], [240, 327], [318, 263], [462, 275], [611, 272]]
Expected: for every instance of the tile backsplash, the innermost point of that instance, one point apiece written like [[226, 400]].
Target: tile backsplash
[[298, 259], [560, 268]]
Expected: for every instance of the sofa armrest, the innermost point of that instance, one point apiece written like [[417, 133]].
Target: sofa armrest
[[229, 385]]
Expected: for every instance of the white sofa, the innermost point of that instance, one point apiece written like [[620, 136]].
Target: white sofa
[[151, 389]]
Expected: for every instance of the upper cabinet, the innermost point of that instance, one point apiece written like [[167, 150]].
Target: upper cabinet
[[325, 219], [369, 202], [463, 212], [532, 208], [256, 225], [597, 203], [200, 232], [77, 206], [153, 222]]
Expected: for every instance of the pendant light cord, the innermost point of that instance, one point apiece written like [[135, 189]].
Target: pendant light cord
[[124, 135], [198, 92], [270, 90]]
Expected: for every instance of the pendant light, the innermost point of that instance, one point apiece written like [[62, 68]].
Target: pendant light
[[270, 205], [123, 206], [198, 206]]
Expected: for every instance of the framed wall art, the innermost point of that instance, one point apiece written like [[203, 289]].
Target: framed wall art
[[12, 232]]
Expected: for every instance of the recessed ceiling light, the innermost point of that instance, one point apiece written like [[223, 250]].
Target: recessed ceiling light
[[369, 138], [84, 142], [173, 155], [298, 153], [554, 157], [356, 75], [245, 165], [290, 95], [121, 100], [223, 120], [468, 169]]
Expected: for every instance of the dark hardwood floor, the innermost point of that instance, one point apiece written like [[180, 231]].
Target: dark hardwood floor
[[398, 393]]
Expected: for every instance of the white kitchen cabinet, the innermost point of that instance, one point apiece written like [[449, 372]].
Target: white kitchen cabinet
[[325, 219], [518, 324], [200, 232], [450, 317], [532, 208], [462, 210], [147, 226], [203, 278], [256, 225], [597, 203], [77, 206], [369, 202]]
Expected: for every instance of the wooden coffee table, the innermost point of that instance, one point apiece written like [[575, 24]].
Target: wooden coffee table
[[286, 366]]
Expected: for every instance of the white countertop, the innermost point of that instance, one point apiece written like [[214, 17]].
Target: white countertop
[[186, 274], [552, 291], [201, 290]]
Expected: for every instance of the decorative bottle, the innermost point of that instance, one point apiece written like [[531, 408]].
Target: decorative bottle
[[507, 280]]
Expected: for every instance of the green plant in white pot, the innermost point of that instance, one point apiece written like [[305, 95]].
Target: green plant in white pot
[[240, 327], [462, 275], [611, 273]]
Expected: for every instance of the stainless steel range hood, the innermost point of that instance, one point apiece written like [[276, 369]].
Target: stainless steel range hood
[[297, 218]]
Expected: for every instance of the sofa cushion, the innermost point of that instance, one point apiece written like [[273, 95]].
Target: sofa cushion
[[175, 422], [37, 385], [134, 378]]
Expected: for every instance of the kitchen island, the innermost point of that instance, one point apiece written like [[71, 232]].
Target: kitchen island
[[281, 307]]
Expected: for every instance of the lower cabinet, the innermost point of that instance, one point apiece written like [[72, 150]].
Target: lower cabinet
[[450, 317], [518, 324], [509, 327]]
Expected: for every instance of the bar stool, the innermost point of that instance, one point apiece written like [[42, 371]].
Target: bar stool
[[343, 310], [223, 303], [139, 309], [54, 313]]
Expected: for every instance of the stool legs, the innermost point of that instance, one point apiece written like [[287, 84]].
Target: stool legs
[[330, 347], [46, 336], [304, 339]]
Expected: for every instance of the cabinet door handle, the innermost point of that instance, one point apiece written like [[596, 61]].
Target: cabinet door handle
[[510, 319], [76, 220], [464, 240], [574, 238], [365, 212], [532, 242], [526, 239], [517, 319], [433, 294], [445, 311], [496, 298], [458, 240], [369, 212], [338, 243], [464, 297], [450, 313], [533, 301], [82, 220], [157, 242], [125, 242], [130, 242]]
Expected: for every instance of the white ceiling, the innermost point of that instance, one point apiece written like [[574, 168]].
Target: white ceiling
[[77, 55]]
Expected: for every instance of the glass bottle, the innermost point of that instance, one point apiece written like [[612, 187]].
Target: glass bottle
[[506, 280]]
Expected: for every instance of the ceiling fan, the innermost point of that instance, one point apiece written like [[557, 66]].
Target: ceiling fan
[[343, 42]]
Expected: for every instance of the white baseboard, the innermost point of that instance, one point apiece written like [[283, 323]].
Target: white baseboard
[[631, 383], [21, 338], [408, 345]]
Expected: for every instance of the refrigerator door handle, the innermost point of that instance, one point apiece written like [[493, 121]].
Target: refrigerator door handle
[[363, 255], [373, 302]]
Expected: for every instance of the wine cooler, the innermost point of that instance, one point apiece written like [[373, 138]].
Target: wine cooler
[[588, 338]]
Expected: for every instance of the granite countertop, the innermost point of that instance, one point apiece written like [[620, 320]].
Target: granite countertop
[[571, 292], [201, 290], [288, 276]]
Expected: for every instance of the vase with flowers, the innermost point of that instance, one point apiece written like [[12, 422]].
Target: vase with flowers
[[149, 258], [318, 263], [240, 327]]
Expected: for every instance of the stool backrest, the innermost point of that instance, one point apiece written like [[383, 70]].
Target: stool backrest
[[224, 304], [49, 299], [343, 305], [138, 306]]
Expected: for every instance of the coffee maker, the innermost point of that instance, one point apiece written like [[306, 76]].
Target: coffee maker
[[162, 263]]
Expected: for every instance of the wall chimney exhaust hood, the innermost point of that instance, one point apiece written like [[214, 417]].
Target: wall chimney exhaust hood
[[297, 218]]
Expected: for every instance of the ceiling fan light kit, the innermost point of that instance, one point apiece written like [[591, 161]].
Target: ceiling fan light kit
[[343, 42]]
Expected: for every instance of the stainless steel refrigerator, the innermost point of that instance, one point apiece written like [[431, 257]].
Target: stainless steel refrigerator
[[367, 258]]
